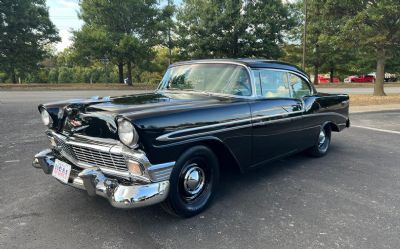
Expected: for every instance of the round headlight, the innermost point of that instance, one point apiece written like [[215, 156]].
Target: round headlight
[[46, 117], [127, 133]]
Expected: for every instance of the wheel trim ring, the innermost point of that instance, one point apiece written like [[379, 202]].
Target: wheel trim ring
[[193, 186], [321, 138], [323, 143]]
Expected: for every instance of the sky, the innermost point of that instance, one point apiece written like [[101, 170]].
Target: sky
[[64, 14]]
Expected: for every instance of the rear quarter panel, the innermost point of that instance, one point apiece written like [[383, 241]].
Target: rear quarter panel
[[325, 108]]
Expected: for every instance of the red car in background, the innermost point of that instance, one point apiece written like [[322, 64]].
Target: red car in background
[[325, 78], [360, 79]]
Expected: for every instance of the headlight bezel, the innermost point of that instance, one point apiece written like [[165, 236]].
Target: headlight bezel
[[46, 117], [127, 133]]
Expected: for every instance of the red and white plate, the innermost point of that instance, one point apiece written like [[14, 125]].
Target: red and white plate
[[61, 171]]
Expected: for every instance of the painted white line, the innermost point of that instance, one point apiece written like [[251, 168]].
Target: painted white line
[[376, 129], [12, 161]]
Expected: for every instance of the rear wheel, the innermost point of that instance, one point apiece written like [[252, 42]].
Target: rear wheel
[[323, 142], [193, 182]]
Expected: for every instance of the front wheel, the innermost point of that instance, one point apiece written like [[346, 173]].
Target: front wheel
[[323, 142], [193, 182]]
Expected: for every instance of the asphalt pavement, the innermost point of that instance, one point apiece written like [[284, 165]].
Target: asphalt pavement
[[358, 90], [348, 199]]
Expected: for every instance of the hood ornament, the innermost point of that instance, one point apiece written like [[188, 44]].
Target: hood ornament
[[77, 125]]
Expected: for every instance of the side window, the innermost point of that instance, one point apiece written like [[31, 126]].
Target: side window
[[256, 74], [273, 84], [298, 86]]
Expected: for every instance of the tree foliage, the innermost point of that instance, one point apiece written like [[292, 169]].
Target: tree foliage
[[144, 36], [122, 31], [373, 25], [232, 28], [25, 30]]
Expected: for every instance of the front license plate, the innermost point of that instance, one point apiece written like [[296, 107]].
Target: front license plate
[[61, 171]]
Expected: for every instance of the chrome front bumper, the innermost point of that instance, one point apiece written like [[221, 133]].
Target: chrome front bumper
[[119, 194]]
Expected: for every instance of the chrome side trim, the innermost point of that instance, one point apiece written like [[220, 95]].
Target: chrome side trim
[[326, 113], [168, 136], [286, 115], [161, 172], [273, 121]]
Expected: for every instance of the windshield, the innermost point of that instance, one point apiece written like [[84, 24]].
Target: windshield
[[210, 78]]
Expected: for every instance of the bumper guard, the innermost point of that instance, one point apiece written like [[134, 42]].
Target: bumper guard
[[120, 195]]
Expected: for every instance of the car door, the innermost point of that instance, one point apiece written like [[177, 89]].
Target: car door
[[274, 132], [307, 126]]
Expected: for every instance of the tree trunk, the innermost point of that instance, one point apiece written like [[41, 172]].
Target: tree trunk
[[138, 78], [13, 76], [316, 71], [121, 72], [331, 74], [380, 73], [129, 64]]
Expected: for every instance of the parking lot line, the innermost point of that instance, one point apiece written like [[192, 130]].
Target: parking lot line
[[376, 129]]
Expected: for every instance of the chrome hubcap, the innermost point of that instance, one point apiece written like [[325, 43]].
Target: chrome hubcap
[[193, 181], [322, 137]]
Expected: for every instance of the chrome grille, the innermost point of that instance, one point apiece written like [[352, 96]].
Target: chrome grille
[[87, 140], [99, 158], [64, 147], [90, 156]]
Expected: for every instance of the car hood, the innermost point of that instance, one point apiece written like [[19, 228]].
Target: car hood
[[97, 117], [130, 105]]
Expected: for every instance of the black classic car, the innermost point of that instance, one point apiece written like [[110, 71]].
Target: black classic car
[[167, 146]]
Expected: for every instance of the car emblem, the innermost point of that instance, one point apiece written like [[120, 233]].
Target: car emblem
[[75, 123]]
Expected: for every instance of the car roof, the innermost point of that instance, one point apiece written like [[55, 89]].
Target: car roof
[[252, 63]]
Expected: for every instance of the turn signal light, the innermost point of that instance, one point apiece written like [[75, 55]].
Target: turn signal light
[[134, 168], [53, 142]]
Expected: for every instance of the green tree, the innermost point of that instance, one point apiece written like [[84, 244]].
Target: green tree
[[25, 30], [325, 51], [315, 28], [232, 28], [373, 25], [129, 26], [168, 28]]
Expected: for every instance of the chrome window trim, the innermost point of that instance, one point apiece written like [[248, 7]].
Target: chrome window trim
[[248, 69], [313, 91]]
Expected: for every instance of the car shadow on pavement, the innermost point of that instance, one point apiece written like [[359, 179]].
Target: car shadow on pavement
[[232, 188]]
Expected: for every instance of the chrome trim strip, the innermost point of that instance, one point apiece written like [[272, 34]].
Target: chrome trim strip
[[251, 76], [273, 121], [95, 139], [167, 137], [161, 166], [313, 90], [161, 172], [326, 113]]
